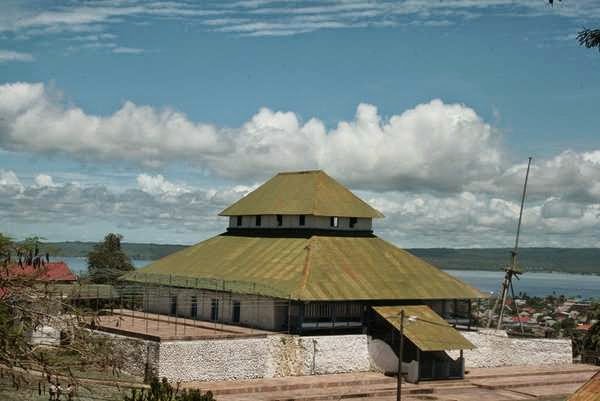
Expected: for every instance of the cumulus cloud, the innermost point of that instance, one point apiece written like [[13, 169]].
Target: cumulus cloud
[[33, 118], [10, 182], [574, 176], [438, 170], [44, 180], [154, 204], [435, 145], [158, 185], [480, 220]]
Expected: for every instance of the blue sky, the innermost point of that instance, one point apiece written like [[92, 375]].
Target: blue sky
[[147, 118]]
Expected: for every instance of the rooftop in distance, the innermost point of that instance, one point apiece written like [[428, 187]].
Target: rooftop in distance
[[302, 192]]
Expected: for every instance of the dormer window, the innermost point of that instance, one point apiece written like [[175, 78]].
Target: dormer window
[[238, 221], [279, 220], [302, 220], [334, 222], [258, 221], [353, 221]]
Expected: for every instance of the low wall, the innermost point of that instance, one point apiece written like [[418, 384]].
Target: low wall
[[268, 356], [495, 348], [134, 354], [290, 355], [335, 354], [225, 359]]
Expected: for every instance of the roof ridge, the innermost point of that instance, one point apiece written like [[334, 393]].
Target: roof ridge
[[316, 189], [301, 172], [306, 267]]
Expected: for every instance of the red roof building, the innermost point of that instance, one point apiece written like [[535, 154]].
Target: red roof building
[[56, 272], [522, 319], [583, 326]]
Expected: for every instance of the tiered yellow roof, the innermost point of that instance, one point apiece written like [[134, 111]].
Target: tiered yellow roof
[[302, 192], [314, 268]]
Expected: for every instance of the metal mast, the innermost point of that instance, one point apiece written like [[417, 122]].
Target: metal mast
[[513, 270]]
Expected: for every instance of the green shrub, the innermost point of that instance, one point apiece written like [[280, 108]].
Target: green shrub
[[164, 391]]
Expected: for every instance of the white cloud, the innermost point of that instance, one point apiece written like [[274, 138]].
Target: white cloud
[[127, 50], [33, 119], [156, 205], [437, 170], [435, 145], [574, 176], [157, 185], [9, 182], [44, 180], [10, 55], [480, 220], [271, 18]]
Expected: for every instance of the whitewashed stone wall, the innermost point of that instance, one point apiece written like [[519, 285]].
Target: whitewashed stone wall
[[134, 353], [269, 356], [213, 359], [335, 354], [495, 348]]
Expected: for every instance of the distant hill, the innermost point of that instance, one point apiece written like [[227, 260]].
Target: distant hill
[[570, 260], [134, 250]]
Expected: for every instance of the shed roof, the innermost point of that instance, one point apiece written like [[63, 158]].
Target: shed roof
[[318, 267], [302, 192], [425, 328]]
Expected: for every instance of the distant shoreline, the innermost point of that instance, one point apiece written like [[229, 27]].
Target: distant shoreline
[[543, 260]]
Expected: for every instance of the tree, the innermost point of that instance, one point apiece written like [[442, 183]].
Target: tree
[[589, 38], [28, 304], [107, 261], [591, 341], [568, 326]]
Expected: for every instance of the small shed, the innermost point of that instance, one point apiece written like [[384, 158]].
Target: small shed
[[427, 338]]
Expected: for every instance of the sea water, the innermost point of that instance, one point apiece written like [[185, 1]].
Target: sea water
[[534, 284]]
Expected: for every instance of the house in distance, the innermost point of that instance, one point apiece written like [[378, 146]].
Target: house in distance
[[300, 256]]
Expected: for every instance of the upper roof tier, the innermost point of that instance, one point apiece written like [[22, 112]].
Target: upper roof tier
[[302, 192]]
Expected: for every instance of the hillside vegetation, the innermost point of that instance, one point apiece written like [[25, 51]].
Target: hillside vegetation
[[571, 260], [133, 250]]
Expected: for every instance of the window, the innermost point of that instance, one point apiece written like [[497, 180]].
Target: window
[[239, 221], [334, 222], [279, 220], [194, 309], [214, 309], [302, 220], [353, 221], [173, 304], [258, 221], [235, 318]]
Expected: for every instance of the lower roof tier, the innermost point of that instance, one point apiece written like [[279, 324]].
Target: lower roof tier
[[313, 268]]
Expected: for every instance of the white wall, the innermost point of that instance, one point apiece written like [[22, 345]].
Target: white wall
[[292, 221], [256, 311], [495, 348], [268, 356]]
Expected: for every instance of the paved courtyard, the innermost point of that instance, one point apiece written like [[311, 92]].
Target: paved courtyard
[[482, 384], [164, 327]]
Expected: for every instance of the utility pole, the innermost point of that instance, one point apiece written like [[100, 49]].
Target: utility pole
[[513, 270], [399, 385]]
